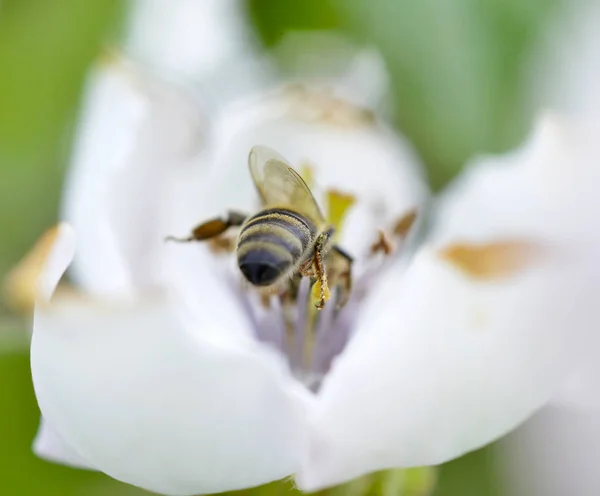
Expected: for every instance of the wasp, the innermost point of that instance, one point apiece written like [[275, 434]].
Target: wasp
[[287, 238]]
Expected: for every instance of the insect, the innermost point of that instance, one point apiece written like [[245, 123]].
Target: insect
[[288, 238]]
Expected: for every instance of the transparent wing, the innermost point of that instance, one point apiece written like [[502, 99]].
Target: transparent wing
[[280, 185]]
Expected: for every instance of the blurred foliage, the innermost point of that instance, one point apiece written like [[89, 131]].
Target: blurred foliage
[[407, 482], [457, 70], [45, 48], [274, 18], [21, 473], [457, 66]]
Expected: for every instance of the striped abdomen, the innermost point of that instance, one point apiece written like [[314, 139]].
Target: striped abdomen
[[272, 242]]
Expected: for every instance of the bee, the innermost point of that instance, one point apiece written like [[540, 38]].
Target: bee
[[288, 237]]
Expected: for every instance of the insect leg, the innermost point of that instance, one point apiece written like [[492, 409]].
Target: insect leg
[[306, 269], [320, 272], [341, 270], [212, 228]]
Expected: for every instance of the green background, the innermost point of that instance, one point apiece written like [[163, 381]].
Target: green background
[[458, 71]]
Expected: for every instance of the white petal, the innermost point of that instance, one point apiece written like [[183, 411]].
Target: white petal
[[36, 276], [545, 189], [59, 258], [155, 405], [563, 204], [566, 66], [331, 60], [49, 445], [111, 115], [206, 41], [555, 453], [134, 133], [139, 195], [443, 362], [366, 160], [579, 391], [196, 279]]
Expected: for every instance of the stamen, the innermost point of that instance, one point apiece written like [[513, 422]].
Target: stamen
[[310, 331], [289, 307], [338, 205], [404, 224], [310, 337], [383, 244]]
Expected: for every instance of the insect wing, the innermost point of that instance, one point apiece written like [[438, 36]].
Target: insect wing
[[280, 185]]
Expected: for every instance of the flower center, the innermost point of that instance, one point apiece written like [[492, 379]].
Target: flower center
[[287, 316], [310, 338]]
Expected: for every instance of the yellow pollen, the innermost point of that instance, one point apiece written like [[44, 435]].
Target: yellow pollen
[[316, 292], [491, 260], [20, 285], [338, 205]]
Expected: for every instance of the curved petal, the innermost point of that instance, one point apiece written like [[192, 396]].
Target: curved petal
[[580, 390], [207, 42], [479, 330], [553, 454], [565, 72], [49, 445], [167, 146], [347, 152], [331, 60], [35, 277], [134, 134], [567, 75], [56, 261], [111, 114], [61, 240], [158, 406]]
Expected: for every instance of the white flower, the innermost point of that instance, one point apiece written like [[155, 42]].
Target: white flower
[[569, 75], [206, 42], [170, 375], [565, 69], [555, 453]]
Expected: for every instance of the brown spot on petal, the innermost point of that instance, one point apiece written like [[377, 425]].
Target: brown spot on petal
[[320, 105], [491, 260], [20, 285], [345, 115], [404, 223]]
